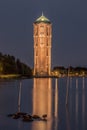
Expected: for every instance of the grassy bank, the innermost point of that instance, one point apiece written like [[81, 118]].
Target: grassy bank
[[14, 76], [9, 76]]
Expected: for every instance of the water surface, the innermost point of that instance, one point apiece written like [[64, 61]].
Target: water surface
[[41, 96]]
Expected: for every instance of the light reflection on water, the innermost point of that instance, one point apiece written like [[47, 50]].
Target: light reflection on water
[[41, 96], [42, 102]]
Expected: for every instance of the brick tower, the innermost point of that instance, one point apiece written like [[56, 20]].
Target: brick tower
[[42, 46]]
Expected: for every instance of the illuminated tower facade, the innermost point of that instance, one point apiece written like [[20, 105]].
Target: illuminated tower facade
[[42, 46]]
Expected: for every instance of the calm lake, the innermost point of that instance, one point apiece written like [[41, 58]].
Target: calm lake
[[41, 96]]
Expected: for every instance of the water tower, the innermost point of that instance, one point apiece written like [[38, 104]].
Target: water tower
[[42, 46]]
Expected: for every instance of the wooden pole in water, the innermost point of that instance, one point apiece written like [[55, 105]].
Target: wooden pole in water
[[56, 97], [19, 97], [67, 89], [76, 83], [83, 82]]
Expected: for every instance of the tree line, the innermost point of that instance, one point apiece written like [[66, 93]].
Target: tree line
[[72, 70], [10, 65]]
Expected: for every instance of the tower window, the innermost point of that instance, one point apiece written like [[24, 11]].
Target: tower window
[[47, 31], [41, 33], [42, 26], [36, 44], [47, 52], [36, 53], [47, 42], [36, 32]]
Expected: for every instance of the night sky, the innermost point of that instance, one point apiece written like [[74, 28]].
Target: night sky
[[69, 29]]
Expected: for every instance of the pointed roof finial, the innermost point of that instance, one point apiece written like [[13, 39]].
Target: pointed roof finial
[[42, 18], [42, 13]]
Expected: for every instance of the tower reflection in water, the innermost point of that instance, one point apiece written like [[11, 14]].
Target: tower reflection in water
[[42, 102]]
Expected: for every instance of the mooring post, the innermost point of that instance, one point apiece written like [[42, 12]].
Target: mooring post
[[19, 97], [56, 97], [67, 88], [83, 82]]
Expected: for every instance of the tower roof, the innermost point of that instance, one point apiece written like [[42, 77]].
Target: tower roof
[[42, 18]]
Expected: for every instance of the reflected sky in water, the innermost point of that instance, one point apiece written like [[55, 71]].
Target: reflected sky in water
[[41, 96]]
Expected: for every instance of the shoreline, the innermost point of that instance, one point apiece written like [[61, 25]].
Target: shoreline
[[9, 76], [19, 76], [14, 76]]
